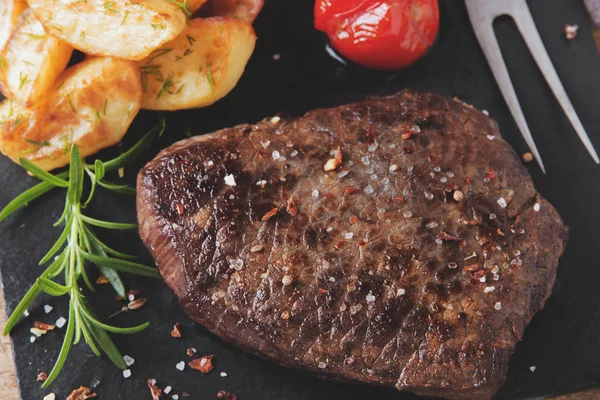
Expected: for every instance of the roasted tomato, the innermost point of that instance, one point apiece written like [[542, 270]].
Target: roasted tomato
[[380, 34]]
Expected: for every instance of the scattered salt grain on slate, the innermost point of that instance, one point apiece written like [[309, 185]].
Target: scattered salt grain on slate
[[61, 322], [128, 360], [532, 368], [26, 313], [48, 308], [180, 365], [50, 396], [175, 397], [32, 339], [127, 373], [276, 56], [223, 374], [167, 390]]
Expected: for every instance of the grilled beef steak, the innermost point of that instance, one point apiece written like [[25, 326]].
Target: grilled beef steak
[[414, 258]]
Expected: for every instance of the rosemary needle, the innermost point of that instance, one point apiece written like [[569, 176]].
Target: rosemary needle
[[77, 244]]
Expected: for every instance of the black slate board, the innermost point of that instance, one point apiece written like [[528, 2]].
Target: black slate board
[[563, 341]]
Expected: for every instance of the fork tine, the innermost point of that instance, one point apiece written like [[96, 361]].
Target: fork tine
[[489, 44], [526, 25]]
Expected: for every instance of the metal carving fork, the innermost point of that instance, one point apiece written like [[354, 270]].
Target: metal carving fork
[[482, 14]]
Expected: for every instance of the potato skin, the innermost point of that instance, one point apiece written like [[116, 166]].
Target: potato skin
[[93, 105], [127, 29], [199, 67], [194, 5], [245, 10]]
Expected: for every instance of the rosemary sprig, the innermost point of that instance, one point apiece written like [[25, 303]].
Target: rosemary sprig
[[77, 244], [184, 7]]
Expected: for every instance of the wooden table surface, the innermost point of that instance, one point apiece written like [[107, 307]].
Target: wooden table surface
[[8, 380]]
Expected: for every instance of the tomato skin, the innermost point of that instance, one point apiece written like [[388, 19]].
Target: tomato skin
[[379, 34]]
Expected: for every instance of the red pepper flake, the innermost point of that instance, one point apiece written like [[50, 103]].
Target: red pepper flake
[[491, 174], [446, 237], [119, 298], [432, 158], [351, 190], [191, 351], [340, 244], [42, 376], [223, 395], [406, 135], [101, 280], [321, 290], [269, 215], [333, 163], [499, 232], [329, 195], [41, 325], [400, 199], [353, 220], [185, 394], [180, 209], [203, 364], [154, 390], [479, 274], [292, 208], [468, 180], [361, 242], [471, 268], [82, 393], [176, 332]]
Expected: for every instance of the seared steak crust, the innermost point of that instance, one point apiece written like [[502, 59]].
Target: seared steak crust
[[416, 263]]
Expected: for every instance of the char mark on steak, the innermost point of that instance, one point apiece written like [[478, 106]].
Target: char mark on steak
[[414, 259]]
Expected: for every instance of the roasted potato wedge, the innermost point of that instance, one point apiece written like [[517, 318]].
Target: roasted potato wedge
[[92, 106], [32, 60], [194, 5], [246, 10], [127, 29], [9, 13], [199, 67]]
